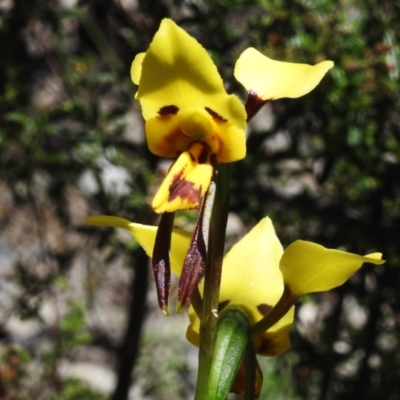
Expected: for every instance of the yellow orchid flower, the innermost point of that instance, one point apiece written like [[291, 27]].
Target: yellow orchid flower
[[251, 280], [256, 274], [188, 115]]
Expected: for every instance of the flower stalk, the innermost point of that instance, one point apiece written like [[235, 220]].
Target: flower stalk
[[250, 365], [212, 278], [277, 312]]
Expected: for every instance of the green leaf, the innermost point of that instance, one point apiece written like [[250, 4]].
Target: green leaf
[[230, 346]]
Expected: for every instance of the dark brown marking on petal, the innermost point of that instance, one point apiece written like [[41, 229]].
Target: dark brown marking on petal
[[160, 260], [222, 305], [253, 104], [214, 161], [269, 347], [264, 309], [175, 180], [168, 110], [195, 262], [203, 157], [264, 346], [184, 189], [177, 154], [215, 115]]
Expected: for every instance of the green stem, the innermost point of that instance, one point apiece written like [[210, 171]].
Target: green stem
[[212, 279], [280, 309]]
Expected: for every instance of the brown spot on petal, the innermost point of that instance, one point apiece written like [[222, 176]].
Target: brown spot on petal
[[201, 152], [268, 347], [184, 189], [215, 115], [203, 155], [168, 110], [253, 104], [264, 309], [213, 160], [175, 180], [264, 346]]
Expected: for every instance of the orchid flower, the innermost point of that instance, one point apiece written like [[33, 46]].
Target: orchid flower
[[259, 278], [188, 114], [191, 118]]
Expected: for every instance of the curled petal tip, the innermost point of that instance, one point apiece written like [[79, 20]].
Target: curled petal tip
[[165, 310], [179, 306]]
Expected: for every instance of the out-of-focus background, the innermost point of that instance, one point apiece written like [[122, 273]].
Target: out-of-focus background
[[78, 312]]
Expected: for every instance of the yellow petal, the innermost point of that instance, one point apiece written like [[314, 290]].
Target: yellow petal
[[308, 267], [272, 80], [233, 147], [177, 70], [192, 332], [186, 182], [145, 235], [166, 136], [136, 68], [250, 276], [276, 340], [251, 279]]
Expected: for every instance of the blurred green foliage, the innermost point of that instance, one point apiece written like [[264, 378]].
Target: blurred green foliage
[[326, 168], [74, 389]]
